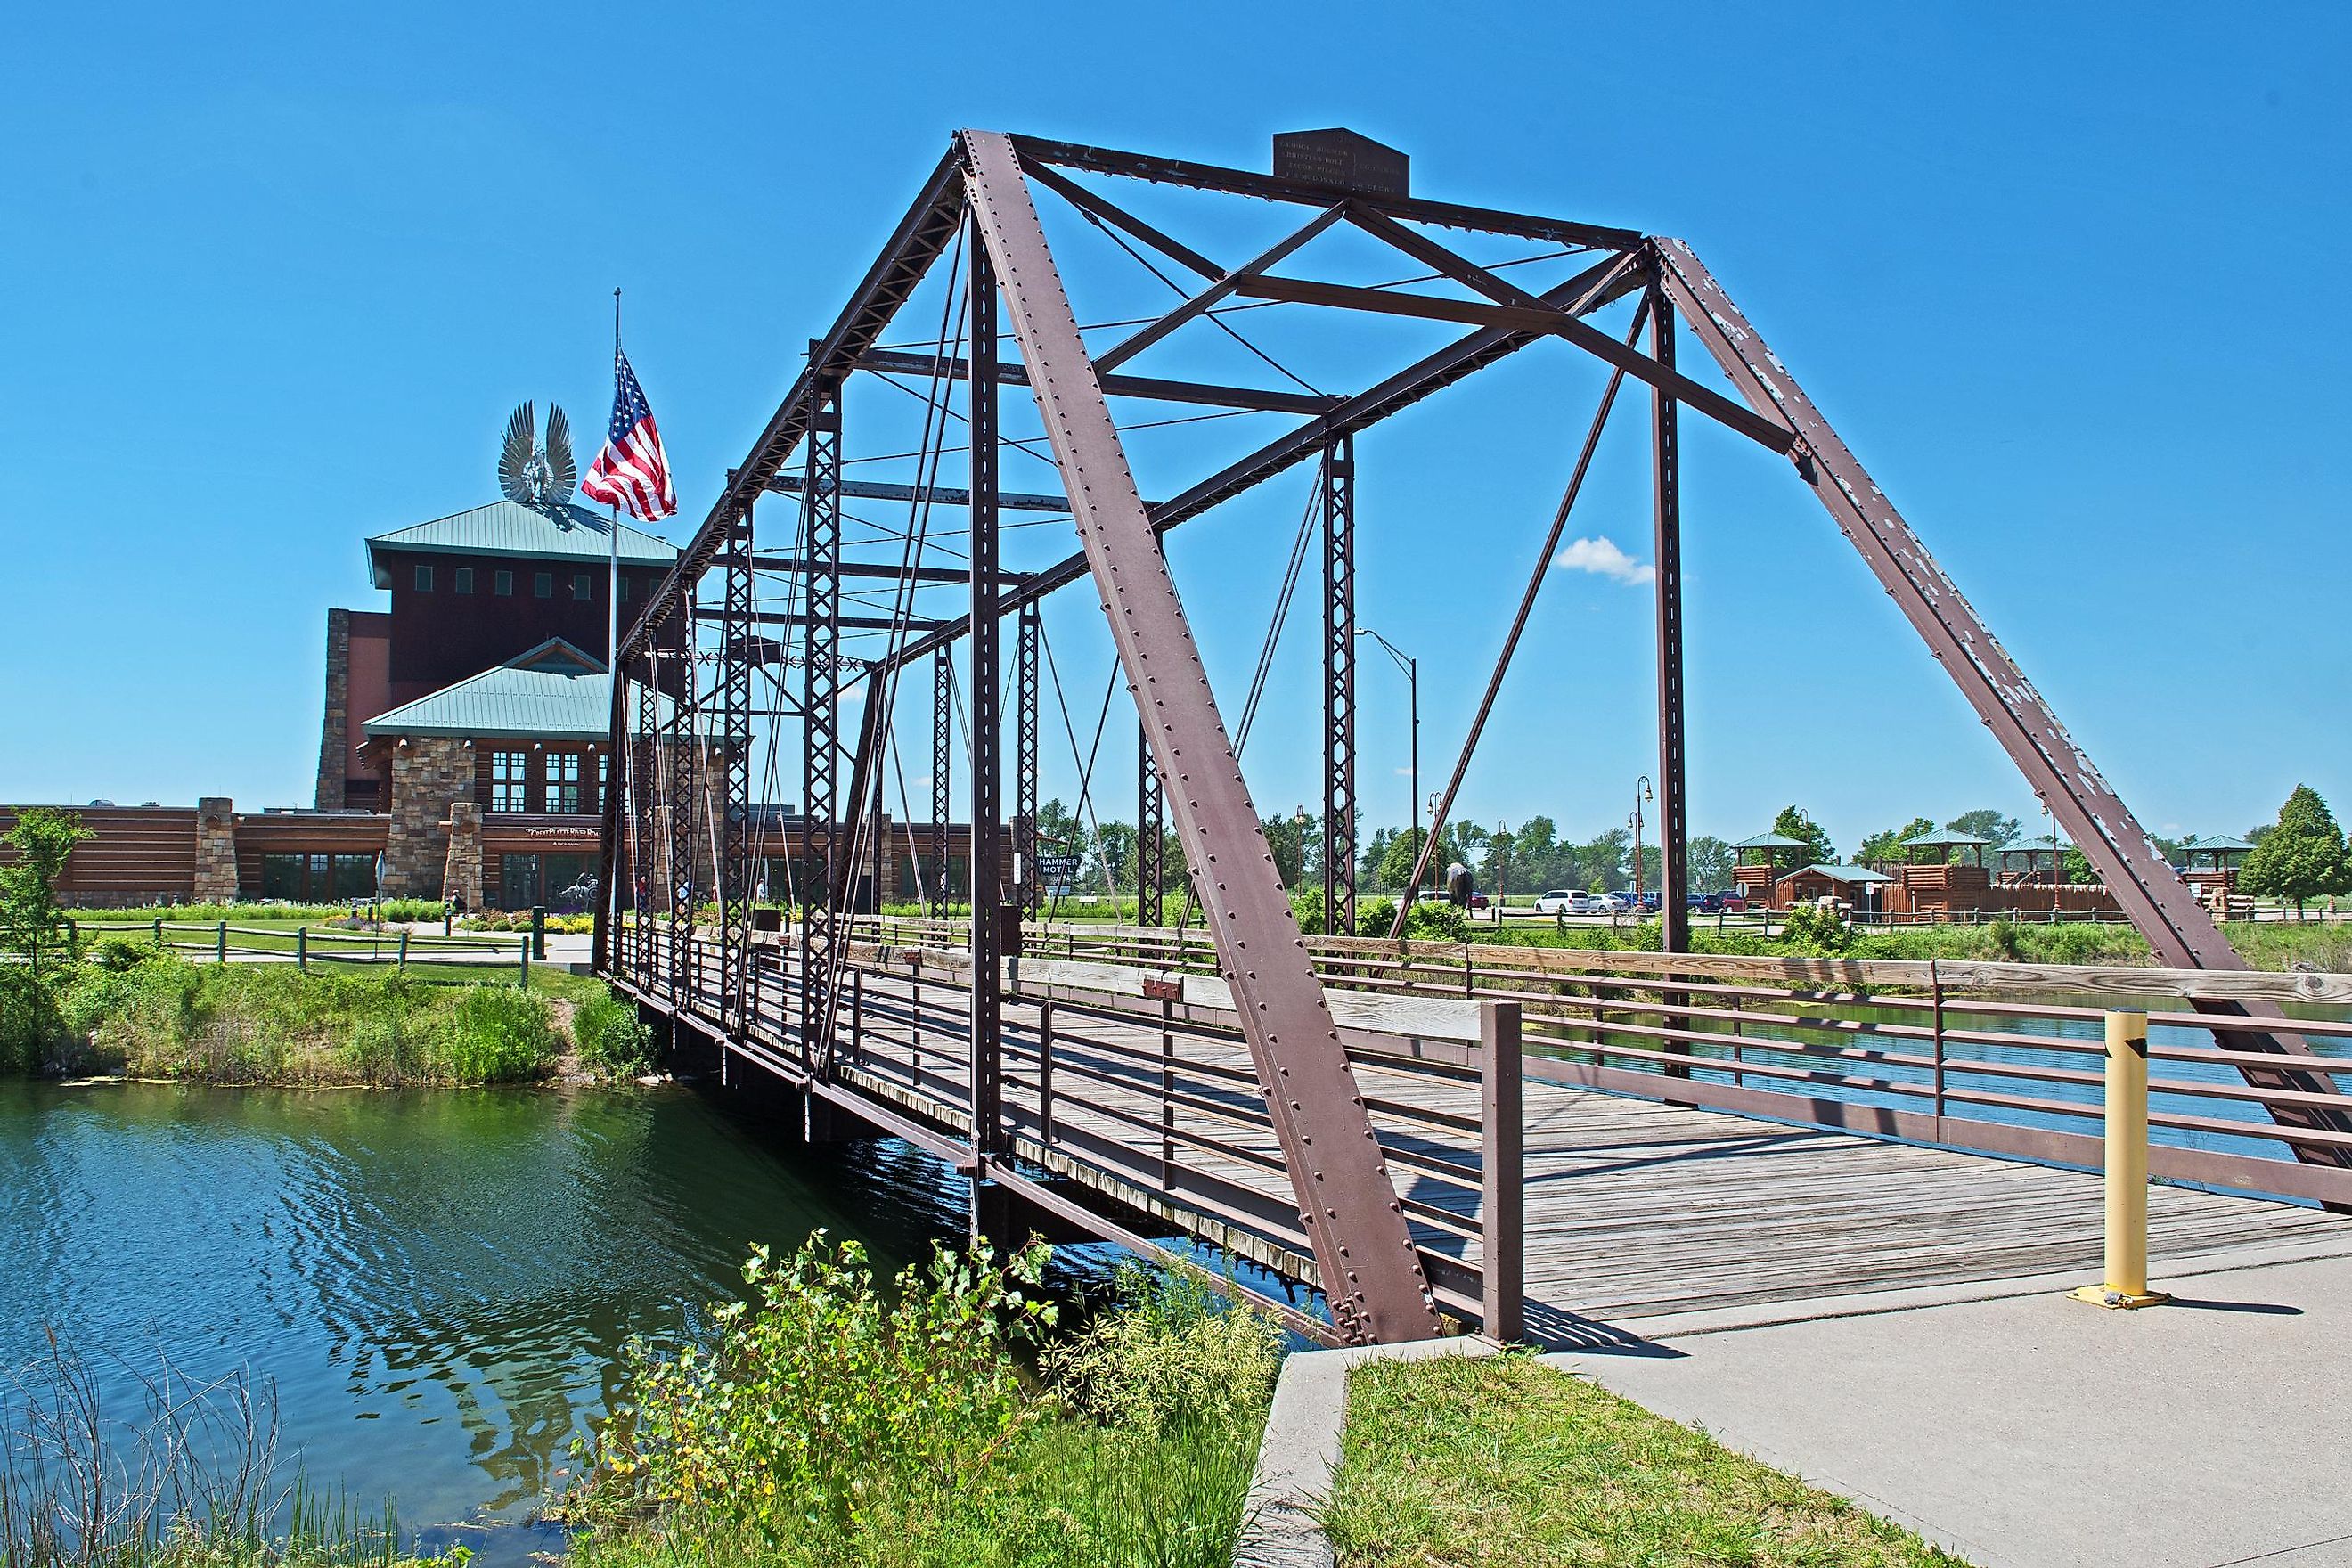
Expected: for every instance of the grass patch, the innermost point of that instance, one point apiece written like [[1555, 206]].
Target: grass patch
[[156, 1016], [2267, 944], [1505, 1461]]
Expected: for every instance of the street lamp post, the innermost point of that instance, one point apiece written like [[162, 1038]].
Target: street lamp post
[[1641, 794], [1412, 697]]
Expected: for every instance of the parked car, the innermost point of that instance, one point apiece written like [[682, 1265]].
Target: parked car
[[1731, 904], [1559, 901], [1702, 903], [1651, 898], [1477, 900], [1611, 903]]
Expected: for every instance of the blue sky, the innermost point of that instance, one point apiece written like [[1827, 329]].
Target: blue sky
[[2063, 280]]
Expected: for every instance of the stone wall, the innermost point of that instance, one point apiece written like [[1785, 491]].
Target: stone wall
[[429, 774], [334, 737], [216, 880], [461, 877]]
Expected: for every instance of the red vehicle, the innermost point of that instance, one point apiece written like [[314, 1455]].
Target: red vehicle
[[1733, 903]]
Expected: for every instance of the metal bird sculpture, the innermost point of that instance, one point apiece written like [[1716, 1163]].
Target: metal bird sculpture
[[536, 477]]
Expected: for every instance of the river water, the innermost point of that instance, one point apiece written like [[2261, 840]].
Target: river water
[[435, 1283]]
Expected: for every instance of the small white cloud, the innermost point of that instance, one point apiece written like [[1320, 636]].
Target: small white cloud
[[1603, 559], [1402, 773]]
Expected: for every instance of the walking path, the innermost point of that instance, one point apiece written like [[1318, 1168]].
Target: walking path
[[2035, 1431]]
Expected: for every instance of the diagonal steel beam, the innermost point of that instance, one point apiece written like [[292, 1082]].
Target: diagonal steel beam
[[1346, 1201], [2142, 880], [1142, 338], [1603, 284]]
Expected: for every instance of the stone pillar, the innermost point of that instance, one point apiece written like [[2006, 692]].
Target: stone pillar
[[430, 773], [461, 876], [334, 736], [215, 851]]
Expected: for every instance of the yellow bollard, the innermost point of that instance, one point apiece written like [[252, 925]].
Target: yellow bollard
[[2127, 1168]]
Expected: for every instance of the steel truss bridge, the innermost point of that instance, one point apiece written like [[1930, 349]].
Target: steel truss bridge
[[1324, 1107]]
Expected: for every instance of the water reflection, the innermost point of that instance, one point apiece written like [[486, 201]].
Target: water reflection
[[437, 1283]]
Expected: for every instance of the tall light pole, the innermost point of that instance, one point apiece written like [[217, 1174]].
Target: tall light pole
[[1412, 697], [1641, 794]]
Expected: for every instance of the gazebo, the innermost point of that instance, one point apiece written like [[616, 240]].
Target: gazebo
[[2226, 852], [2217, 881], [2033, 851], [1947, 840], [1758, 863]]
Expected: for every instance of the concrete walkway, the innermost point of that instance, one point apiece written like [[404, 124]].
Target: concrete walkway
[[2034, 1431]]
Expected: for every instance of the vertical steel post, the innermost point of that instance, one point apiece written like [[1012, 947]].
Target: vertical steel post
[[1028, 885], [821, 719], [2124, 1283], [987, 783], [1666, 544], [1673, 815], [942, 774], [685, 779], [1150, 839], [735, 881], [1503, 1205], [1339, 688], [645, 825]]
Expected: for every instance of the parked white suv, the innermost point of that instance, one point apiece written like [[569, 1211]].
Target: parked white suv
[[1561, 902]]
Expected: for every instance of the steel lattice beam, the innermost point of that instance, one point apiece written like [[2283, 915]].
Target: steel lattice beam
[[735, 773], [685, 776], [1024, 758], [1339, 500], [987, 995], [1666, 548], [1364, 1253], [1151, 837], [821, 683], [942, 774]]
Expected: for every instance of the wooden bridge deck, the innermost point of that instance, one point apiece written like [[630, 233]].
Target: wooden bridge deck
[[1635, 1210]]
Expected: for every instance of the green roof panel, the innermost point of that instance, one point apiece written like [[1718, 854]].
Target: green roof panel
[[554, 692], [509, 528]]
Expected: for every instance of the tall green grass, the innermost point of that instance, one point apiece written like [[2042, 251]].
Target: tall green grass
[[834, 1420], [154, 1016]]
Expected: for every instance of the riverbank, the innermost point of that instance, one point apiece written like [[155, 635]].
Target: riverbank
[[129, 1009]]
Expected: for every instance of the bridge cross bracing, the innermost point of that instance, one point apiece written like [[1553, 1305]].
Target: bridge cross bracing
[[978, 224]]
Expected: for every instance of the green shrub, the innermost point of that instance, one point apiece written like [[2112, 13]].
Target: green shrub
[[501, 1034], [1374, 916], [1172, 1354], [1435, 920], [1814, 929], [1308, 908], [825, 1393], [30, 1023], [611, 1039]]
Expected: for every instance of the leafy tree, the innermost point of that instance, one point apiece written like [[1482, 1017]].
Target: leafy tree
[[1115, 847], [1794, 824], [1397, 852], [1711, 861], [1889, 845], [1988, 823], [2303, 856], [2074, 866], [44, 839], [1297, 848], [1600, 860]]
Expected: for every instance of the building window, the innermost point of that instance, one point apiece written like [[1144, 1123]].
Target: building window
[[502, 584], [563, 781], [584, 586], [425, 579], [624, 590], [604, 779], [509, 780], [543, 584], [461, 579]]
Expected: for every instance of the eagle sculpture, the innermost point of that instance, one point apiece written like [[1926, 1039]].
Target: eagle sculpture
[[541, 477]]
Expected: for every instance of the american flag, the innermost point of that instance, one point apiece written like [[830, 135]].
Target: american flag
[[631, 471]]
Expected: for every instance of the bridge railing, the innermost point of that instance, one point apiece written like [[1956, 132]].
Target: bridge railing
[[2002, 1059], [1148, 1100]]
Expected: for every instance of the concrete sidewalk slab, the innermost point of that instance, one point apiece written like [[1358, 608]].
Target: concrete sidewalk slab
[[2040, 1432]]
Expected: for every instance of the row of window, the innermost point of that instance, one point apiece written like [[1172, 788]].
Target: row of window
[[558, 787], [502, 584], [317, 879]]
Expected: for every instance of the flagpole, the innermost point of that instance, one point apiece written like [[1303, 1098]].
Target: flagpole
[[612, 539]]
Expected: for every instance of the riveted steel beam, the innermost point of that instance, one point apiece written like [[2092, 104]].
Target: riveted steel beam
[[1364, 1253], [2137, 872]]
